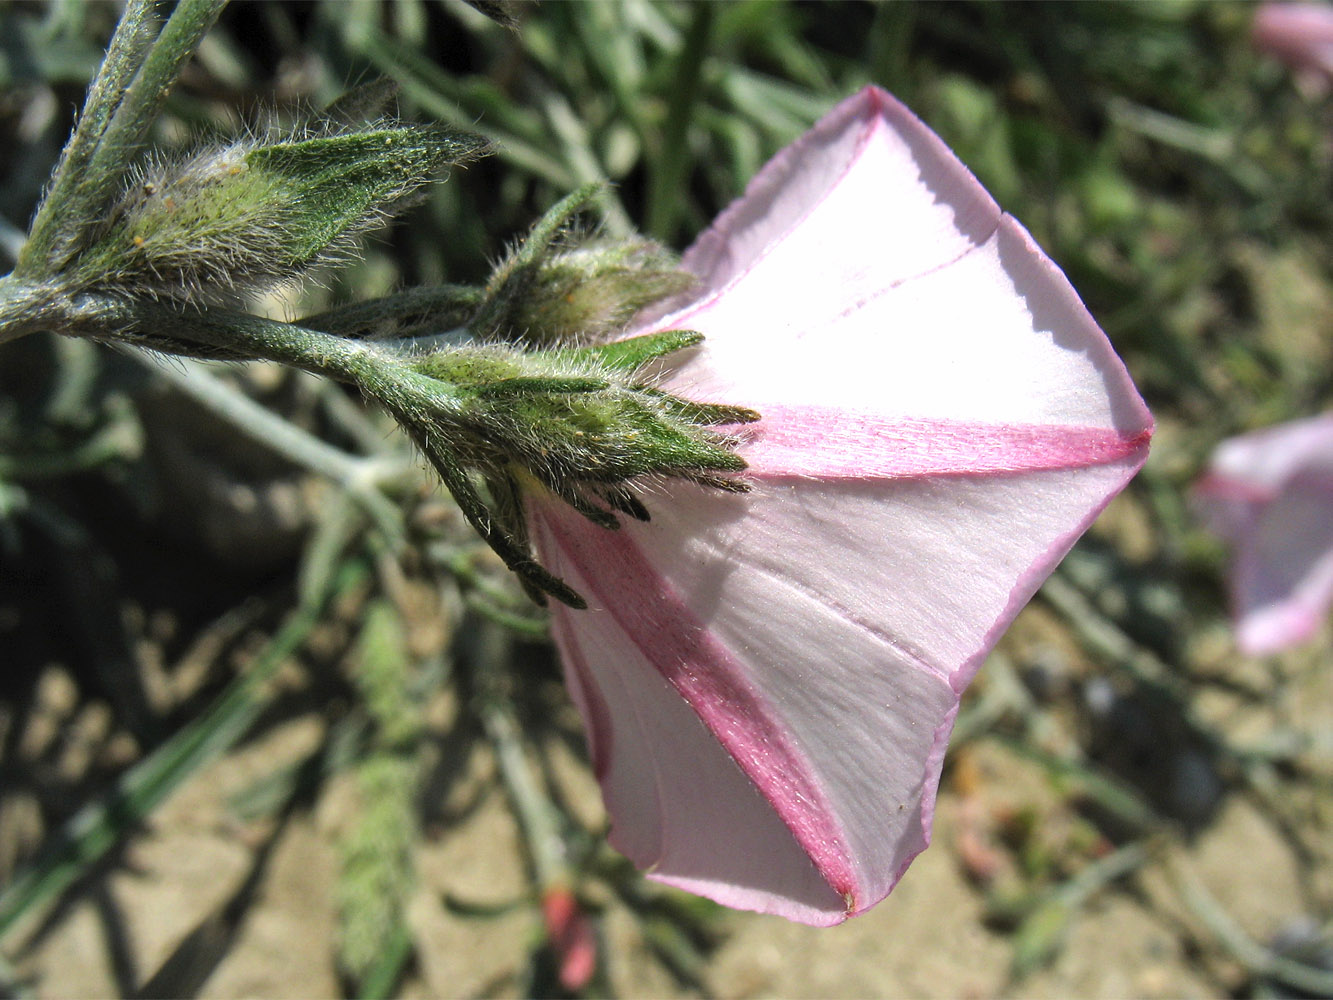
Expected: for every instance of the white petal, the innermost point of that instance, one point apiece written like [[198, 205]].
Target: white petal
[[996, 336], [1270, 493], [770, 679], [1260, 462], [681, 807], [870, 160], [850, 614]]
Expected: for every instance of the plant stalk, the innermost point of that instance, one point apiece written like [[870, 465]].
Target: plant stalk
[[25, 307], [96, 163]]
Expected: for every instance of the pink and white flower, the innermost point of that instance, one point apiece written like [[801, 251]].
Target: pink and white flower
[[1270, 494], [769, 680], [1301, 35]]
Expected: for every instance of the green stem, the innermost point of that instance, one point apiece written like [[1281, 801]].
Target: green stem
[[25, 307], [384, 976], [573, 134], [1101, 873], [378, 373], [1103, 637], [127, 132], [119, 439], [199, 334], [411, 313], [266, 427], [537, 816], [1259, 960], [123, 56]]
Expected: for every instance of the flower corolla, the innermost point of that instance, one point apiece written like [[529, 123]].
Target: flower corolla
[[1270, 495], [769, 679]]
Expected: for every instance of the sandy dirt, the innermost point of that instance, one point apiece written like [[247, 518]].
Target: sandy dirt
[[203, 903]]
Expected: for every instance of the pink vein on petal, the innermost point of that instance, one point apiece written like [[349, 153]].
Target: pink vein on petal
[[1223, 487], [687, 654], [814, 442]]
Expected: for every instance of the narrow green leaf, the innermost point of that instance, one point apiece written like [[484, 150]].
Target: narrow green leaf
[[502, 12], [338, 182], [126, 134], [632, 353], [533, 385], [1040, 937], [123, 57]]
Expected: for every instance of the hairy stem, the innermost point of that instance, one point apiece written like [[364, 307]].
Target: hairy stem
[[24, 308], [127, 132], [375, 370], [110, 147], [123, 57], [410, 313]]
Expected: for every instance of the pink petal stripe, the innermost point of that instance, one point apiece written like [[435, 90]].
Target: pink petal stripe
[[623, 584], [1225, 487], [812, 442]]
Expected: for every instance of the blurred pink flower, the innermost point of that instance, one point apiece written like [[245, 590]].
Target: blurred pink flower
[[571, 937], [1270, 494], [1301, 35], [769, 680]]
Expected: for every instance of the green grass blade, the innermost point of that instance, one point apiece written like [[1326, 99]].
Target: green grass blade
[[92, 832]]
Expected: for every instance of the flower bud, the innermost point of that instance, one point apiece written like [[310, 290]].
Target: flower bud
[[572, 421], [563, 285], [593, 290], [581, 424], [235, 219]]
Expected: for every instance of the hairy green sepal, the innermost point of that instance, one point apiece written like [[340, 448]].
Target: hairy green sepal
[[581, 425], [238, 218], [564, 285], [338, 181]]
